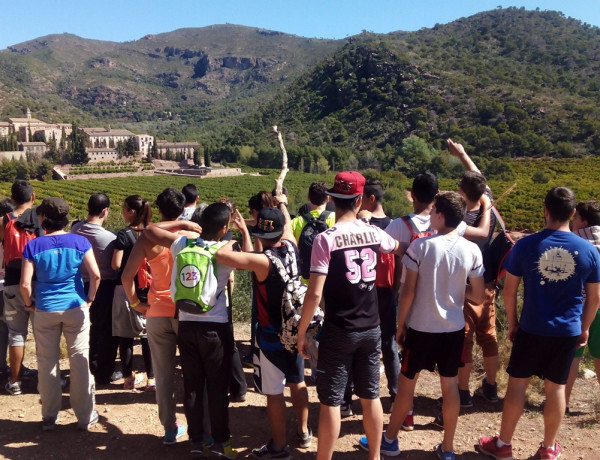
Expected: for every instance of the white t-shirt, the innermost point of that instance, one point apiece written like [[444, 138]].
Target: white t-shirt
[[217, 314], [443, 264], [398, 230]]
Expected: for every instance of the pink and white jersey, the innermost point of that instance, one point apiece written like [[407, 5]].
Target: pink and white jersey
[[347, 254]]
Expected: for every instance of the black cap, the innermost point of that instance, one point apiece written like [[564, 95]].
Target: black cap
[[269, 223], [54, 208]]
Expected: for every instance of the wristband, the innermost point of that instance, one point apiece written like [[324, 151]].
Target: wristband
[[135, 304], [30, 306]]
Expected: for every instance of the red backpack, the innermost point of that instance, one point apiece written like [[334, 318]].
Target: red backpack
[[414, 231], [15, 240]]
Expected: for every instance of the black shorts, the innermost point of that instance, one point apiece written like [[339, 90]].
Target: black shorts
[[547, 357], [423, 350], [344, 354]]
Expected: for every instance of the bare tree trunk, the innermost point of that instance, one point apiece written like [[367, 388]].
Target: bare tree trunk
[[284, 163]]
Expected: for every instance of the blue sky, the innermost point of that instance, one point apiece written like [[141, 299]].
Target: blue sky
[[126, 20]]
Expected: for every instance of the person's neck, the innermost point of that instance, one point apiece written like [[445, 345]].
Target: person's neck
[[473, 205], [556, 225], [378, 211], [95, 220], [320, 208], [22, 208], [56, 232], [422, 209], [345, 216], [447, 231]]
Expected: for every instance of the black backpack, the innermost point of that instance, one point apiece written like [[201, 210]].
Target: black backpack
[[314, 226]]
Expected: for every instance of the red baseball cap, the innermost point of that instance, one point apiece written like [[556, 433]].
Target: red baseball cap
[[348, 184]]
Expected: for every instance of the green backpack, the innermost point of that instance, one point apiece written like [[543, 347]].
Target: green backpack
[[196, 281]]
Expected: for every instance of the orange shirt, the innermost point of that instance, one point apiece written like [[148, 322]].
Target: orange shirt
[[159, 296]]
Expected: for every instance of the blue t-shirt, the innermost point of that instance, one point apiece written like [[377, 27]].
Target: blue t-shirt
[[554, 265], [57, 260]]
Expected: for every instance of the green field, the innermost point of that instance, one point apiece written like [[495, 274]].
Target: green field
[[522, 209]]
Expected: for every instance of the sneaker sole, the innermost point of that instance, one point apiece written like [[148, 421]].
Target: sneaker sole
[[382, 452], [479, 392], [408, 427], [485, 452]]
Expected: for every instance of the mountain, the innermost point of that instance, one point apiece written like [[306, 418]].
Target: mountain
[[507, 83], [221, 70]]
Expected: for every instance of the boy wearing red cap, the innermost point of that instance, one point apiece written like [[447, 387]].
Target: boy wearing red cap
[[343, 264]]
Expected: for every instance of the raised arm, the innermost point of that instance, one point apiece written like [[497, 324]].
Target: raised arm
[[256, 262], [458, 151], [288, 234], [163, 234], [482, 231], [240, 224]]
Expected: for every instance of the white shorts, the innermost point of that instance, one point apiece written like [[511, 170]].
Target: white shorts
[[273, 369]]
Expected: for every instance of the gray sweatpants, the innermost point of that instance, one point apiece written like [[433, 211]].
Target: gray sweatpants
[[74, 324], [162, 338]]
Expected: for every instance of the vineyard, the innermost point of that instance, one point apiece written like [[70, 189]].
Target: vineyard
[[522, 209]]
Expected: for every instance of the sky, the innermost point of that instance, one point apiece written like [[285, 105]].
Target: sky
[[127, 20]]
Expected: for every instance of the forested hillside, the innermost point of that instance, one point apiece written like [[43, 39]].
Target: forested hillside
[[508, 83]]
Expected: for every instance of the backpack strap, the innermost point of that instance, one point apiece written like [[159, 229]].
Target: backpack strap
[[324, 215], [308, 217], [410, 224], [130, 235]]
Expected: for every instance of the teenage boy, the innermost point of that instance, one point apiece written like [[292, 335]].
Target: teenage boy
[[423, 191], [430, 318], [372, 207], [556, 267], [205, 339], [274, 366], [343, 267], [318, 198], [24, 219], [103, 346], [586, 224], [480, 318], [190, 192]]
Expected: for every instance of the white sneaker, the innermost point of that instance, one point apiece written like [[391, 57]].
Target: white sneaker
[[14, 388]]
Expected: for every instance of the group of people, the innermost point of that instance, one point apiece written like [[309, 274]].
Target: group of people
[[424, 283]]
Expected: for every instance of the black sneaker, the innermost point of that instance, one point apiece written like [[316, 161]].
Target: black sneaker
[[27, 373], [487, 391], [267, 451], [465, 398], [438, 420], [305, 439]]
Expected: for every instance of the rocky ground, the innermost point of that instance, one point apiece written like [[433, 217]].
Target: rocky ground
[[129, 426]]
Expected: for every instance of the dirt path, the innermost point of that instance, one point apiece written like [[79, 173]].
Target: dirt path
[[129, 426]]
